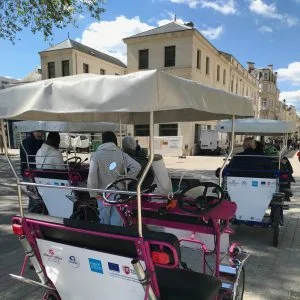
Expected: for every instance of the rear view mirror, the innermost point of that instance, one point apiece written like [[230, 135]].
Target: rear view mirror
[[112, 166]]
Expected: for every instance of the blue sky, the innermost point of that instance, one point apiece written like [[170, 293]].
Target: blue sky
[[262, 31]]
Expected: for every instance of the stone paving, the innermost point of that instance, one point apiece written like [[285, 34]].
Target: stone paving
[[271, 273]]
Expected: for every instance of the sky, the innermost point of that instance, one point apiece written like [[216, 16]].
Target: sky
[[262, 31]]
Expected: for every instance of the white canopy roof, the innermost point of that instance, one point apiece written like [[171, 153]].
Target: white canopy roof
[[67, 127], [91, 98], [257, 126]]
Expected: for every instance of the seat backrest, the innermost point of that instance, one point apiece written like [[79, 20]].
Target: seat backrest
[[105, 238]]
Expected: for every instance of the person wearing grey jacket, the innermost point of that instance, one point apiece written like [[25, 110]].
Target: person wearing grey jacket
[[100, 176]]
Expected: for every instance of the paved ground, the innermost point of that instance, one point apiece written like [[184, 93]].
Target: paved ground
[[270, 273]]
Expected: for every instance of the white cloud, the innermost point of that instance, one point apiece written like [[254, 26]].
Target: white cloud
[[190, 3], [226, 7], [265, 29], [213, 33], [270, 11], [291, 74], [291, 97], [106, 36]]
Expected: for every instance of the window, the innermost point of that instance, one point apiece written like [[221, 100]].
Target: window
[[142, 130], [232, 84], [51, 70], [224, 76], [85, 68], [207, 65], [65, 68], [236, 87], [116, 74], [170, 56], [264, 103], [218, 73], [102, 72], [198, 59], [144, 59], [266, 76], [168, 129]]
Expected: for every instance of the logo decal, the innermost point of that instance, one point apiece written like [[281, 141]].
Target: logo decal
[[73, 261], [126, 270], [96, 265], [113, 267], [255, 183]]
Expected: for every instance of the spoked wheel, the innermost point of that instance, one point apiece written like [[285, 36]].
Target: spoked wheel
[[85, 213], [275, 224], [239, 286]]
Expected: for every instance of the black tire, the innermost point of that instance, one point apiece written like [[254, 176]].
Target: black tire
[[85, 213], [276, 224]]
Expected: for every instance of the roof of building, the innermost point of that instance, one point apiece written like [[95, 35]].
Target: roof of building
[[167, 28], [71, 44]]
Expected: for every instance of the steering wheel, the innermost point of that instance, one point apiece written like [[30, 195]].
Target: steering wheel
[[200, 199], [77, 161], [119, 185]]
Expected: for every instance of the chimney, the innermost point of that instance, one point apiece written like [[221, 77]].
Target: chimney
[[250, 66], [270, 67], [189, 24]]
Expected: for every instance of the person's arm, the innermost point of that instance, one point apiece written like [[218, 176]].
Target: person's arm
[[93, 177], [132, 165], [59, 161]]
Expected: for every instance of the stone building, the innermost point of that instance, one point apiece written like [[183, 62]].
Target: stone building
[[181, 50]]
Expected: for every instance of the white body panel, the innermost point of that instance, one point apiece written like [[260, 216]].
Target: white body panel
[[57, 201], [80, 274], [252, 196]]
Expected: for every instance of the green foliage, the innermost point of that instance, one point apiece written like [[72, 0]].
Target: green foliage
[[43, 15]]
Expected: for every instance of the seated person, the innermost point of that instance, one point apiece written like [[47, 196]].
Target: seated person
[[271, 150], [100, 176], [129, 147], [158, 174], [249, 159], [49, 156], [259, 148], [286, 166]]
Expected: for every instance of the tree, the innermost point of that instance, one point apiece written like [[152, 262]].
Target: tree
[[43, 15]]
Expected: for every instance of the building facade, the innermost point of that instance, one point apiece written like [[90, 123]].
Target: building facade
[[71, 58], [181, 50]]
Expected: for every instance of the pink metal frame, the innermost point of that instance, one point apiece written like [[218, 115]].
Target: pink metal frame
[[32, 232], [220, 214]]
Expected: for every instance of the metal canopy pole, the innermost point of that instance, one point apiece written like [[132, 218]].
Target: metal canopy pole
[[13, 169], [139, 187], [230, 152]]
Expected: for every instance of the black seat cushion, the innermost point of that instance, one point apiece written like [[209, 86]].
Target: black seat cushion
[[178, 284]]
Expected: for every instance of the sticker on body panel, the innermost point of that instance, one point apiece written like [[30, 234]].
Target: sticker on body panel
[[73, 261], [96, 265], [255, 183], [53, 255]]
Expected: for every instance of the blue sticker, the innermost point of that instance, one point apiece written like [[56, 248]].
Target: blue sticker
[[113, 267], [254, 183], [96, 265]]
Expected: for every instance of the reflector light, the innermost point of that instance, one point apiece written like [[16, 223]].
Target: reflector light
[[284, 176], [27, 173], [75, 178], [17, 229], [160, 258]]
